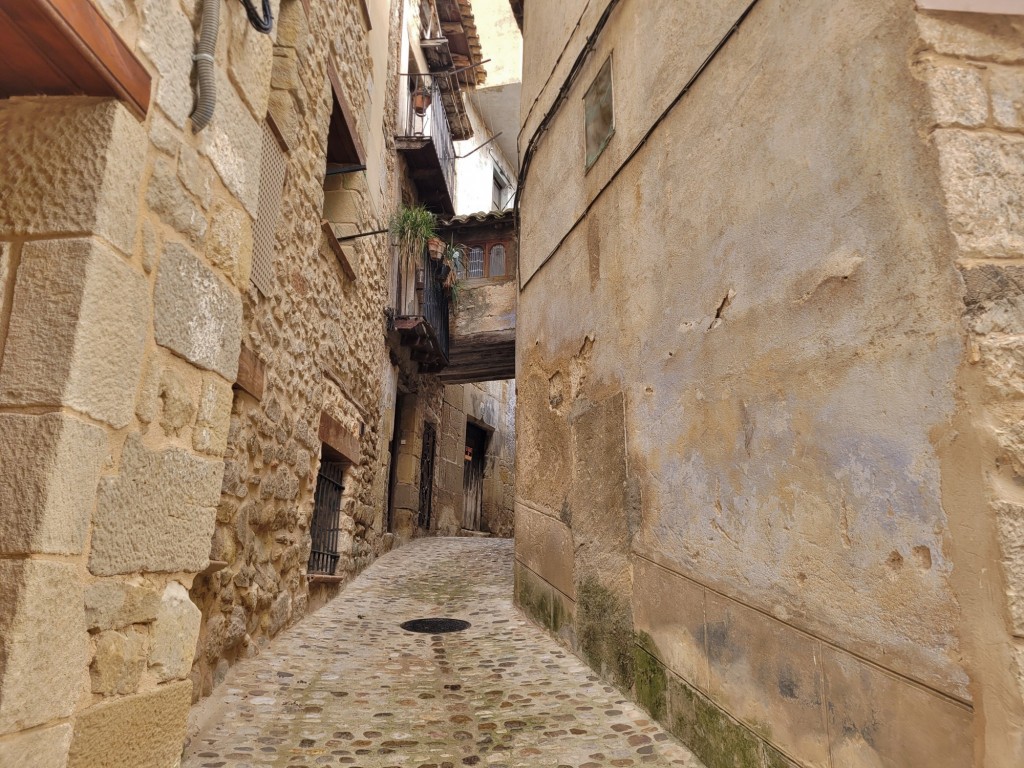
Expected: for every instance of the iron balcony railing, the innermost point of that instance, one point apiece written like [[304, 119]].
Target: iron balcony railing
[[435, 305], [424, 118], [422, 296]]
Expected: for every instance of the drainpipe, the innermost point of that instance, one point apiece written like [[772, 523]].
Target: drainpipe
[[206, 89]]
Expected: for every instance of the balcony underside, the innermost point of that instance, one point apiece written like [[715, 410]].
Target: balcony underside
[[481, 357], [427, 173], [420, 338]]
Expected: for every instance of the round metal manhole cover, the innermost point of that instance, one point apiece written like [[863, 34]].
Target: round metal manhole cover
[[435, 626]]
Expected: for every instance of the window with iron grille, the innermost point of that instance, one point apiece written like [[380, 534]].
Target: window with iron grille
[[476, 262], [487, 260], [326, 523]]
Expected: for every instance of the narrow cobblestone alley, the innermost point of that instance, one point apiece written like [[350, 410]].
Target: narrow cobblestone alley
[[347, 686]]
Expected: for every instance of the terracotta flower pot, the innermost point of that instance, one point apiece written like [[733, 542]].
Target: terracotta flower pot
[[421, 99], [435, 246]]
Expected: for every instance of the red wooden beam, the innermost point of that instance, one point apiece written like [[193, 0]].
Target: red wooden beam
[[66, 47]]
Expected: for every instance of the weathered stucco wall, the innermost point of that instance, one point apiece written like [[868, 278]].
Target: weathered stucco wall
[[741, 377], [475, 172]]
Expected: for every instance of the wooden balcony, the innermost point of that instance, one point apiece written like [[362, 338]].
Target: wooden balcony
[[425, 141]]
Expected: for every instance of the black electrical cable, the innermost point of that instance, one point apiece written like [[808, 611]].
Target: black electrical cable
[[265, 24]]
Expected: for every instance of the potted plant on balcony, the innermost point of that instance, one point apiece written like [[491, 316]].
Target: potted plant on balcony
[[411, 228], [421, 100], [436, 247]]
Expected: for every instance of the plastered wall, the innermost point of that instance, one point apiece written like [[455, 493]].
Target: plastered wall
[[750, 402]]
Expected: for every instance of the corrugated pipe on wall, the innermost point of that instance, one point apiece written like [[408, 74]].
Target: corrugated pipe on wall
[[206, 88]]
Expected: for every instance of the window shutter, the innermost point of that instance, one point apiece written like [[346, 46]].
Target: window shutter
[[497, 261], [268, 212]]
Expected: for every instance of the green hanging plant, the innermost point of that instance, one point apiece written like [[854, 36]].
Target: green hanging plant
[[411, 228]]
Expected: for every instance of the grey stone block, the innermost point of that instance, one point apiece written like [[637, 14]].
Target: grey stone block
[[197, 314], [78, 327]]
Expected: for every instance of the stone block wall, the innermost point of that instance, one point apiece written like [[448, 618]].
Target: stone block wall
[[490, 406], [125, 303], [422, 403], [319, 337], [767, 356], [120, 329], [973, 66]]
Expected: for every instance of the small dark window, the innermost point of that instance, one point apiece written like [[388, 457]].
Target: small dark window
[[326, 523], [497, 194], [499, 189], [599, 113], [345, 152]]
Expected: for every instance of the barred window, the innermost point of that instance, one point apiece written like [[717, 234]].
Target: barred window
[[325, 525], [476, 262]]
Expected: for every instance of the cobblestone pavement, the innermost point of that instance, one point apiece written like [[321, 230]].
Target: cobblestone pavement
[[347, 687]]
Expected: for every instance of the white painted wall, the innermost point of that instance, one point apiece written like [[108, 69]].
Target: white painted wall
[[474, 173]]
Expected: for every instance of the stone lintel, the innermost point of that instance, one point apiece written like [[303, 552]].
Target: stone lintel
[[334, 434]]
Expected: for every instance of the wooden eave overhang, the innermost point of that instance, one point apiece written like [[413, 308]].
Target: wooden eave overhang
[[67, 47], [459, 28], [454, 58], [517, 11]]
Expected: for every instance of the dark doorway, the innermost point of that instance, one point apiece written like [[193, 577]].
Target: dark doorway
[[427, 475], [473, 477], [393, 471]]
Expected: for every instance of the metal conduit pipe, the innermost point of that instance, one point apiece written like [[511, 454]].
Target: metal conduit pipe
[[206, 88]]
